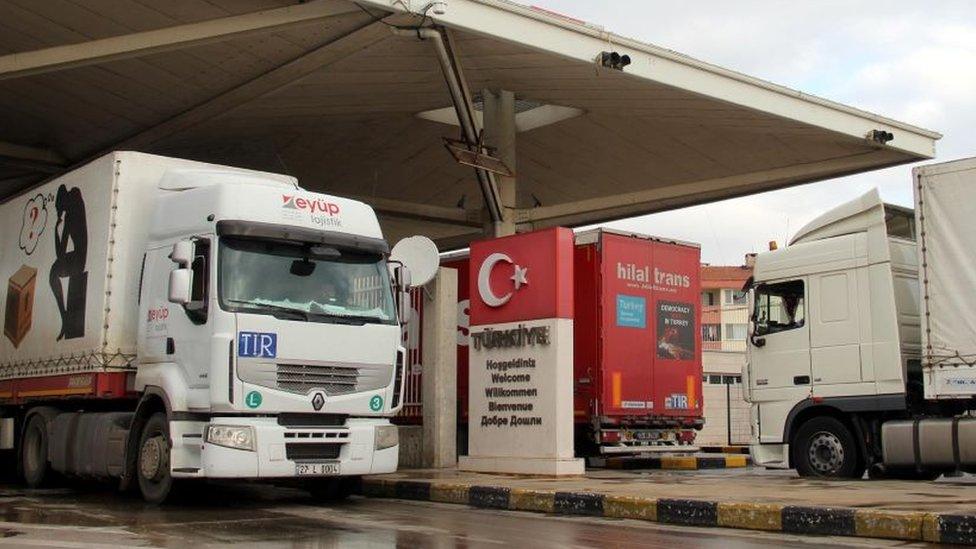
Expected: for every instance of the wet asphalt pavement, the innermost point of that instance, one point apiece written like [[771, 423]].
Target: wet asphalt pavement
[[265, 516]]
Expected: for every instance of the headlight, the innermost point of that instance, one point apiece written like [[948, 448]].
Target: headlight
[[386, 436], [231, 436]]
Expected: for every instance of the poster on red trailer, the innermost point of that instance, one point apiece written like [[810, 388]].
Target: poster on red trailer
[[651, 347]]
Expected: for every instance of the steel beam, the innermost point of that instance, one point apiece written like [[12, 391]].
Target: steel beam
[[357, 40], [422, 212], [648, 201], [69, 56], [30, 154], [457, 242]]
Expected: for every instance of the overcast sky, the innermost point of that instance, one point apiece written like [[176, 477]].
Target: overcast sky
[[913, 61]]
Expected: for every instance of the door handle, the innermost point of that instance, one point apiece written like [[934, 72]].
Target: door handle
[[801, 380]]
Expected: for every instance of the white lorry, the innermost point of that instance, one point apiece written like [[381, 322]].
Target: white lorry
[[167, 320], [862, 347]]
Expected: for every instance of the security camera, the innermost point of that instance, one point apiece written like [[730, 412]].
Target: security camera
[[880, 136], [613, 60], [439, 7]]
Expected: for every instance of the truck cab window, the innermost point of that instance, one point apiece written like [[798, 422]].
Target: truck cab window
[[197, 307], [779, 307]]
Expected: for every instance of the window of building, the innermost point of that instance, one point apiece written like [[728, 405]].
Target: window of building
[[736, 332], [735, 297], [711, 332], [779, 307], [900, 222], [714, 380], [731, 380], [709, 299]]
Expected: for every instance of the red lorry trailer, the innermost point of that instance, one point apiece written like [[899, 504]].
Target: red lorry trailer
[[637, 366], [637, 352]]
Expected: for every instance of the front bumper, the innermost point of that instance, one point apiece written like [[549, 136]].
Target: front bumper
[[772, 456], [355, 439]]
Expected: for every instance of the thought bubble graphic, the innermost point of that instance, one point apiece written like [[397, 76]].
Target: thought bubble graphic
[[33, 223]]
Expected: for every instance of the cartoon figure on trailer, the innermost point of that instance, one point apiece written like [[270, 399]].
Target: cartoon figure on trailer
[[33, 222], [71, 252]]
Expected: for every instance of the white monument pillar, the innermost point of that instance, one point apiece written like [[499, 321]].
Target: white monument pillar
[[439, 382], [520, 388]]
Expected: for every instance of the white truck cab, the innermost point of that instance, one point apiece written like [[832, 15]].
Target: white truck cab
[[834, 372], [279, 305]]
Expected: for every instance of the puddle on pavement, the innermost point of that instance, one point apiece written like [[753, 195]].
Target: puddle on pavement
[[94, 508]]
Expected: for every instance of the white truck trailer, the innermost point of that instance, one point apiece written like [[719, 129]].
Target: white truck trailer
[[167, 320], [862, 347]]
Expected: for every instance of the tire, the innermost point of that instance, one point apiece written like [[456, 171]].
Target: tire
[[152, 460], [32, 458], [333, 489], [824, 447], [584, 442]]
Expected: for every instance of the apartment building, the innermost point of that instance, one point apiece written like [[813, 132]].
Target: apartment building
[[725, 326]]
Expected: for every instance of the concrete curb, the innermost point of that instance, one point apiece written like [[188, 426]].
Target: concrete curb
[[686, 463], [834, 521]]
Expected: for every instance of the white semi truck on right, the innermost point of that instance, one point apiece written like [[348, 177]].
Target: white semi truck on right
[[862, 342]]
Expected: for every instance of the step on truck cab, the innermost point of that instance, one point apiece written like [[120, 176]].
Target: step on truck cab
[[860, 353], [169, 320]]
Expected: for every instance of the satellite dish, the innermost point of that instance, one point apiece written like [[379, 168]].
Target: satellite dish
[[419, 255]]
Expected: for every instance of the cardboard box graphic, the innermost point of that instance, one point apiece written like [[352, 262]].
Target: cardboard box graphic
[[20, 304]]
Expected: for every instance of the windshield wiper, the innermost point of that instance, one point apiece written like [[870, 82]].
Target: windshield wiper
[[339, 319], [354, 319], [295, 313]]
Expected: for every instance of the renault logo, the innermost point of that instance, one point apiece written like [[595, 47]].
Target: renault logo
[[318, 401]]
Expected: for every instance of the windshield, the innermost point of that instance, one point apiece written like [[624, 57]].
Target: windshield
[[304, 281]]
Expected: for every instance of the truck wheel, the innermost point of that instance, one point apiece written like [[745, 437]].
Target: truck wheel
[[34, 465], [823, 447], [152, 463], [333, 489]]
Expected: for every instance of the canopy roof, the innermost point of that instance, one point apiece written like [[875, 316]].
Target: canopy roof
[[325, 91]]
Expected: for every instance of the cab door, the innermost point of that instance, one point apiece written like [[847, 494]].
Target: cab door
[[177, 334], [779, 353]]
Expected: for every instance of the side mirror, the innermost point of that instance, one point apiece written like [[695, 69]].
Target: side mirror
[[179, 286], [401, 280], [182, 253]]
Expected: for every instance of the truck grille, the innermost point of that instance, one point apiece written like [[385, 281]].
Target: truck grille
[[334, 379], [297, 451], [301, 378]]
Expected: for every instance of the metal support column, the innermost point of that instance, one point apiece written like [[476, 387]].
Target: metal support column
[[499, 116]]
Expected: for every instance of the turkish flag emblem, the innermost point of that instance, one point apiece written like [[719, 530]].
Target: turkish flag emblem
[[522, 277]]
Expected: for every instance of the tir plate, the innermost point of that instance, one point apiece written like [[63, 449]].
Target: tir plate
[[316, 469]]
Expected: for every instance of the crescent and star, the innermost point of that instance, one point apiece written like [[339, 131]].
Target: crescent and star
[[518, 278]]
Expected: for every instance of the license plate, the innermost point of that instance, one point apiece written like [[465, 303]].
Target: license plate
[[316, 469]]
